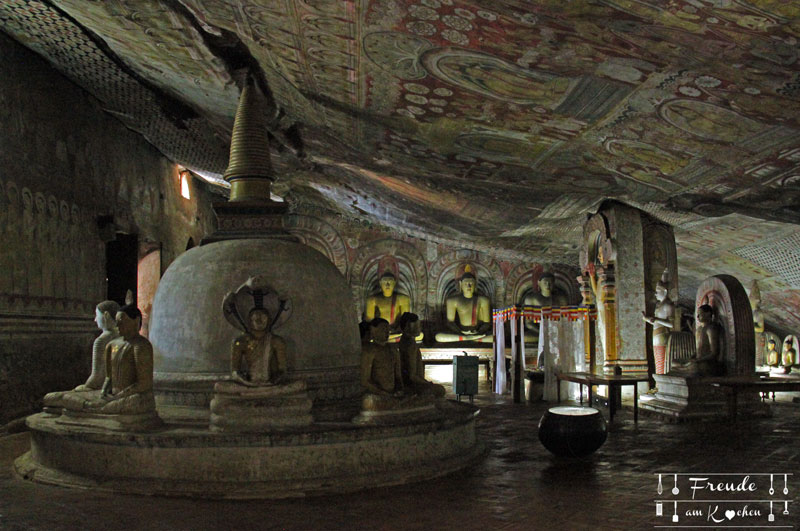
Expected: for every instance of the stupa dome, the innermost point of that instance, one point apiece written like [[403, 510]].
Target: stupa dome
[[192, 340]]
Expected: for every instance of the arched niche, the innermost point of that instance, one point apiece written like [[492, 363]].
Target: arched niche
[[318, 235], [598, 247], [491, 281], [412, 278], [523, 280], [660, 254], [726, 295]]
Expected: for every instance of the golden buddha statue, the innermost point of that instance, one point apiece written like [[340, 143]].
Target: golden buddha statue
[[412, 368], [663, 320], [547, 296], [388, 304], [772, 356], [473, 312], [788, 354]]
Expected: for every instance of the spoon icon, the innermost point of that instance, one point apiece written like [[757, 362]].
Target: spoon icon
[[771, 490], [675, 489], [660, 488], [785, 507], [785, 486]]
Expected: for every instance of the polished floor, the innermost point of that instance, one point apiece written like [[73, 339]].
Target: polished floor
[[519, 485]]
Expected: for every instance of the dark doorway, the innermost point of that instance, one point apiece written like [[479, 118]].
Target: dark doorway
[[122, 260]]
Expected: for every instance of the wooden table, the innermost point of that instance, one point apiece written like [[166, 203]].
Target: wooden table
[[612, 381], [732, 386]]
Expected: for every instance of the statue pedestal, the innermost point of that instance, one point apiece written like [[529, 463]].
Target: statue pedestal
[[391, 411], [183, 460], [132, 413], [115, 422], [240, 408], [686, 398]]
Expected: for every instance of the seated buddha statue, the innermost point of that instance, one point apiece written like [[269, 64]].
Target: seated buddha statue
[[128, 385], [788, 355], [709, 356], [548, 296], [772, 356], [411, 365], [388, 304], [473, 312], [258, 357], [381, 374], [104, 317]]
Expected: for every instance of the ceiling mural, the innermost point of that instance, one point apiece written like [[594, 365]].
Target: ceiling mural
[[496, 124]]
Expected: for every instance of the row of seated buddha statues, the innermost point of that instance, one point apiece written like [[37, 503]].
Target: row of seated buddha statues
[[119, 392], [259, 395], [467, 313], [785, 361]]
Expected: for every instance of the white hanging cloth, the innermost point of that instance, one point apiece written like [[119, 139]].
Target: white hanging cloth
[[547, 359], [499, 357]]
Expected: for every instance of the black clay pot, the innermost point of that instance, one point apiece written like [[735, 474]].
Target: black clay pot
[[572, 431]]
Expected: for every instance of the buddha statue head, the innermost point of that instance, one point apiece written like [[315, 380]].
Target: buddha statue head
[[467, 282], [259, 320], [129, 320], [104, 315], [387, 283], [379, 331], [705, 314], [546, 282]]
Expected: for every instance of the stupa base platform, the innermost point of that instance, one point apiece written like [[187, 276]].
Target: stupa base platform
[[181, 460]]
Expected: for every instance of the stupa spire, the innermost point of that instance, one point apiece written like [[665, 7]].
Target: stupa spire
[[249, 168]]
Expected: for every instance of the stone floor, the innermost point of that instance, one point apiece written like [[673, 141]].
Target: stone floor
[[519, 485]]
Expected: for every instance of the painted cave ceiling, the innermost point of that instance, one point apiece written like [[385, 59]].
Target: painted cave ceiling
[[497, 124]]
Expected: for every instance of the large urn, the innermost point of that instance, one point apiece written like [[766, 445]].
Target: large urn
[[572, 431]]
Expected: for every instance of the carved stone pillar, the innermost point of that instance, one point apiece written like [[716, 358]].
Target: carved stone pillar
[[589, 325], [628, 247], [608, 305]]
